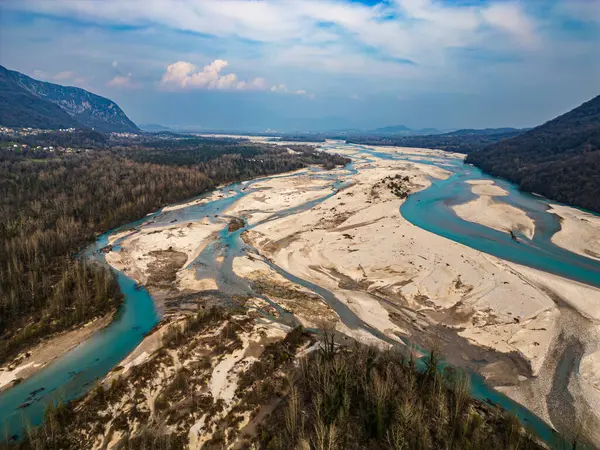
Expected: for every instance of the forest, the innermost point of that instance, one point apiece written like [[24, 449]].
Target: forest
[[452, 142], [53, 204], [559, 159]]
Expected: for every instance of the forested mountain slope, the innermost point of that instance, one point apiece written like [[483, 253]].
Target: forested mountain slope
[[461, 141], [559, 159], [25, 102]]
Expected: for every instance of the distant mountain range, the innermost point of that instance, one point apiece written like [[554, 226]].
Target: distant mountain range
[[399, 130], [403, 130], [486, 131], [559, 159], [154, 127], [25, 102]]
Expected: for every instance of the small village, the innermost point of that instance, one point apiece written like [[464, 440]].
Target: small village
[[38, 148], [11, 140], [20, 132]]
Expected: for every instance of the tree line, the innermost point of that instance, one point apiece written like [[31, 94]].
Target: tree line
[[452, 142]]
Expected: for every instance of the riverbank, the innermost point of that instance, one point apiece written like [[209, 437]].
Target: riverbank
[[579, 233], [225, 380], [358, 246], [33, 360]]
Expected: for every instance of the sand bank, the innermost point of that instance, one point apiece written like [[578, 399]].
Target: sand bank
[[47, 351], [494, 214], [359, 235], [138, 249], [290, 193], [579, 233], [405, 281]]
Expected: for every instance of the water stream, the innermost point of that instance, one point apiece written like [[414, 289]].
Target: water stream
[[75, 373]]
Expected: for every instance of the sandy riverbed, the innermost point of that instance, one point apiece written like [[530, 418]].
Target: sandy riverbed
[[579, 233], [494, 214], [360, 235], [138, 248], [358, 246], [401, 280], [215, 195]]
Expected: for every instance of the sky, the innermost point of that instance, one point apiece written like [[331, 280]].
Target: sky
[[314, 65]]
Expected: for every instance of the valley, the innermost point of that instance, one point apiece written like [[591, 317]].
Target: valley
[[403, 248]]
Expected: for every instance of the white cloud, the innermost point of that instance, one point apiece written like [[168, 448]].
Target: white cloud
[[278, 88], [123, 81], [410, 29], [282, 89], [583, 10], [511, 18], [67, 76], [39, 74], [327, 46], [64, 76], [185, 75]]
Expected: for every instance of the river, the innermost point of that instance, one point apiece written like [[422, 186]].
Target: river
[[74, 373]]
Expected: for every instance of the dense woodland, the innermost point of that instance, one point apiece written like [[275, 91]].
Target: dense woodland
[[560, 159], [460, 142], [51, 205], [359, 397]]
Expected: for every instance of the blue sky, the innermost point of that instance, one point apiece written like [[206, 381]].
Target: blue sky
[[315, 64]]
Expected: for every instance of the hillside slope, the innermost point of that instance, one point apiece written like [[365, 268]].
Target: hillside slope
[[20, 108], [462, 141], [25, 102], [559, 159]]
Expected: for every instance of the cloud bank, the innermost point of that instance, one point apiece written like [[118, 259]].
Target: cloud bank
[[185, 75], [437, 55]]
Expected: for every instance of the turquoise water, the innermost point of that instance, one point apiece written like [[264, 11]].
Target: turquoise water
[[75, 373], [430, 209]]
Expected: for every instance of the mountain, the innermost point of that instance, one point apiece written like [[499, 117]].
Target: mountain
[[402, 130], [20, 108], [154, 127], [559, 159], [25, 102], [486, 131], [394, 129]]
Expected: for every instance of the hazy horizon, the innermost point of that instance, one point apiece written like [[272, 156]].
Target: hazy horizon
[[315, 65]]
